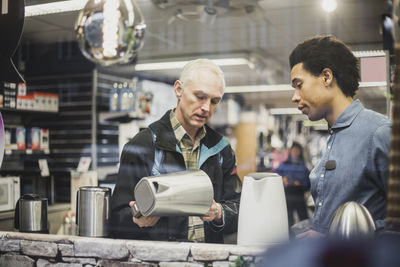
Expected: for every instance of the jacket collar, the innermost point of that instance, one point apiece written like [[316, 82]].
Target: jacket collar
[[165, 137]]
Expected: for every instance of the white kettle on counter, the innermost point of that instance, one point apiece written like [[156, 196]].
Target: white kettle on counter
[[263, 217]]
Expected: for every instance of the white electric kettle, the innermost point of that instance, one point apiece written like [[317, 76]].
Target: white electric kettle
[[263, 217]]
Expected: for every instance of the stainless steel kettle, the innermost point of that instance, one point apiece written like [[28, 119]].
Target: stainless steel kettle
[[93, 211], [352, 220], [187, 193], [31, 214]]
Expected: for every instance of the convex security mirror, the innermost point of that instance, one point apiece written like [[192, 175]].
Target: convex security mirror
[[110, 31]]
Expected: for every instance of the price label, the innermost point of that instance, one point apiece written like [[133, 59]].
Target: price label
[[4, 7], [84, 164], [44, 168]]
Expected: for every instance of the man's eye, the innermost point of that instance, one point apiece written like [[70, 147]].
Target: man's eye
[[201, 97], [215, 101]]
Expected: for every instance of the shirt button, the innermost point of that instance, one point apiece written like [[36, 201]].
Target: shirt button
[[322, 175], [331, 131], [320, 204], [329, 147]]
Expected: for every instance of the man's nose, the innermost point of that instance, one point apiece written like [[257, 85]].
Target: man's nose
[[206, 105], [295, 97]]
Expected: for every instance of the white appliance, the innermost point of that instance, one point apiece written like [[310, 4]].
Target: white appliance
[[9, 192], [263, 217]]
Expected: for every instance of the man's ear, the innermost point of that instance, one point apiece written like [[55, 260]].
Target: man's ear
[[178, 89], [327, 76]]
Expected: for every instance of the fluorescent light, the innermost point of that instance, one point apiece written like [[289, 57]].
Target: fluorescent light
[[329, 5], [370, 53], [179, 64], [258, 88], [284, 111], [320, 124], [283, 87], [371, 84], [55, 7]]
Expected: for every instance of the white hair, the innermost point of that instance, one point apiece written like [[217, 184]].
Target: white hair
[[192, 66]]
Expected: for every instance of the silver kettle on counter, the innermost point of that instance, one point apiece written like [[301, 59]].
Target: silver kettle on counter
[[187, 193], [352, 220], [93, 211], [31, 214]]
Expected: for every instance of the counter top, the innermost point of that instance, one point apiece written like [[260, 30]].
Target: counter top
[[40, 249]]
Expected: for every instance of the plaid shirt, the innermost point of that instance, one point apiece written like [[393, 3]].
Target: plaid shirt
[[190, 152]]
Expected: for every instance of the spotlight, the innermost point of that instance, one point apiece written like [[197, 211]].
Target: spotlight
[[110, 31], [329, 5]]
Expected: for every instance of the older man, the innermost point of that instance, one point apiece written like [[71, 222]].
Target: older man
[[185, 142]]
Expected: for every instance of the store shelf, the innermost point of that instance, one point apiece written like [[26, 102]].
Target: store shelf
[[26, 152], [27, 111], [120, 116]]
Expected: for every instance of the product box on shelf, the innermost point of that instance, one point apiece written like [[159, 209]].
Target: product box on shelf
[[114, 100], [25, 102], [39, 100], [33, 138], [10, 138], [21, 135], [22, 89], [44, 138], [9, 95], [1, 94], [124, 104], [52, 100]]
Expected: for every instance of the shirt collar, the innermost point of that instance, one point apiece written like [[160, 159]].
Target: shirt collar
[[348, 115], [180, 132]]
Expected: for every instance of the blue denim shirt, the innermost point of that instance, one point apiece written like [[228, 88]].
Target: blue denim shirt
[[359, 144]]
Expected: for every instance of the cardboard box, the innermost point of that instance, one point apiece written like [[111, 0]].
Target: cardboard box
[[33, 138], [44, 139], [21, 138], [114, 100], [10, 95]]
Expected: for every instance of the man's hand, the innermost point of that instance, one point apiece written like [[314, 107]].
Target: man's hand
[[215, 213], [310, 234], [144, 221]]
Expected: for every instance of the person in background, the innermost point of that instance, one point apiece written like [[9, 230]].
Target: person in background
[[355, 167], [185, 143], [296, 182]]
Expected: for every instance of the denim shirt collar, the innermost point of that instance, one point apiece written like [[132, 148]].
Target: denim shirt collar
[[348, 115]]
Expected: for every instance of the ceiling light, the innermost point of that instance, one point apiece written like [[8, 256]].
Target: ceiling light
[[284, 111], [258, 88], [55, 7], [179, 64], [329, 5]]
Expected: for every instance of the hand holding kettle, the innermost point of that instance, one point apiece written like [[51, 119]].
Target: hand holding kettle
[[144, 221], [215, 213]]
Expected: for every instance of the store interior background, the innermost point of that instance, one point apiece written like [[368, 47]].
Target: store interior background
[[256, 114]]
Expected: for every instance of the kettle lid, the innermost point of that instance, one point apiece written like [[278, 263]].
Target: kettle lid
[[32, 197], [95, 189], [262, 175]]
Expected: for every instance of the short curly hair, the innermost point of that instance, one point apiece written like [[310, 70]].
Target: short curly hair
[[321, 52]]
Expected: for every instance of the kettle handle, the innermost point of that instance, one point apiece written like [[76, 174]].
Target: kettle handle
[[107, 206], [16, 215], [77, 208]]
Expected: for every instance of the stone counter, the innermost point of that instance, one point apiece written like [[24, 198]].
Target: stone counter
[[23, 249]]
